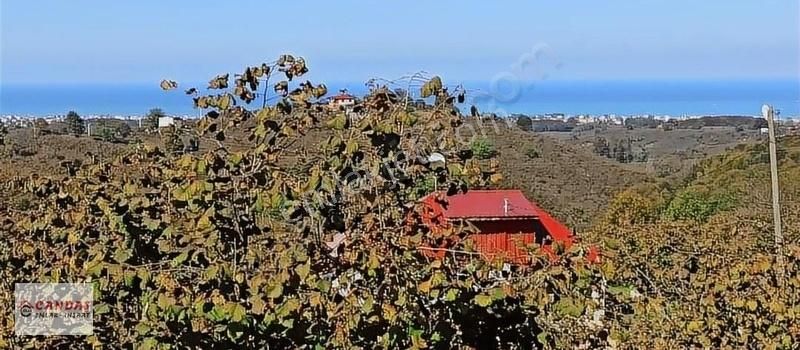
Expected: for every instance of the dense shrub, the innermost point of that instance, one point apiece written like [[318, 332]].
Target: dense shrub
[[638, 205], [525, 123], [692, 205], [482, 148]]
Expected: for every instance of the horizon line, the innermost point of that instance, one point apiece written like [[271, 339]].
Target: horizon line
[[454, 81]]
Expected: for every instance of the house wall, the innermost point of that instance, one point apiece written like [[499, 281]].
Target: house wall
[[507, 239], [530, 226], [504, 246]]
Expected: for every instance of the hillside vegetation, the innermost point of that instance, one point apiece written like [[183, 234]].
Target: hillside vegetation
[[701, 260], [569, 181], [304, 232], [231, 248]]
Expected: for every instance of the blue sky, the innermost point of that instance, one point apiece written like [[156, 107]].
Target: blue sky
[[80, 41]]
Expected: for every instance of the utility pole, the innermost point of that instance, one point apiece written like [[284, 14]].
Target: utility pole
[[769, 114]]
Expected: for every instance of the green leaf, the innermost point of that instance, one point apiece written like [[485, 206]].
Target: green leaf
[[351, 147], [339, 122], [288, 306], [180, 259], [431, 87], [303, 270], [451, 295], [483, 300], [569, 306], [149, 344], [324, 286], [122, 255], [542, 337], [142, 328], [620, 291], [368, 305], [100, 309], [237, 312], [694, 326], [275, 291], [498, 294]]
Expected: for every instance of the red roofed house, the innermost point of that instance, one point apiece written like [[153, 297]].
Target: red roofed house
[[342, 100], [506, 221]]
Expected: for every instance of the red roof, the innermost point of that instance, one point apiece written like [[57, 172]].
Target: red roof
[[490, 204], [343, 97]]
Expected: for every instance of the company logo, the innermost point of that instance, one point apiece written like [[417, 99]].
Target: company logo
[[53, 309], [25, 309]]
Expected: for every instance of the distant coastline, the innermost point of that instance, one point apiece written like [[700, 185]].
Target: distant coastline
[[676, 99]]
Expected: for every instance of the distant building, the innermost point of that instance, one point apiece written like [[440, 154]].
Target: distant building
[[342, 100], [165, 122]]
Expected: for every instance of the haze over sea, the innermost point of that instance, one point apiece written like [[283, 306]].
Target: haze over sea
[[675, 98]]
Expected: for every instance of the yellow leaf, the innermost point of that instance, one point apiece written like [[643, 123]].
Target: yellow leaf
[[303, 270], [483, 300], [352, 146], [694, 326], [424, 287], [496, 178], [374, 262], [28, 248], [389, 312], [275, 291]]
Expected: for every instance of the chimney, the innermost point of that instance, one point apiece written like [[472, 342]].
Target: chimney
[[505, 206]]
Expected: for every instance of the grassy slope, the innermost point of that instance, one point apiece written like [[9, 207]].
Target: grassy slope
[[571, 182], [716, 276]]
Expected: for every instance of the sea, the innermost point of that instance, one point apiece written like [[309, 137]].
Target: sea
[[625, 98]]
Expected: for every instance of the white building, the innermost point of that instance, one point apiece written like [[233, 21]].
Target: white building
[[343, 100], [165, 121]]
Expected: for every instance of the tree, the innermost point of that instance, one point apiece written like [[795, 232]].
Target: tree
[[75, 124], [151, 119], [643, 155], [525, 123], [105, 134], [111, 130], [602, 148], [623, 151], [123, 130], [532, 153]]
